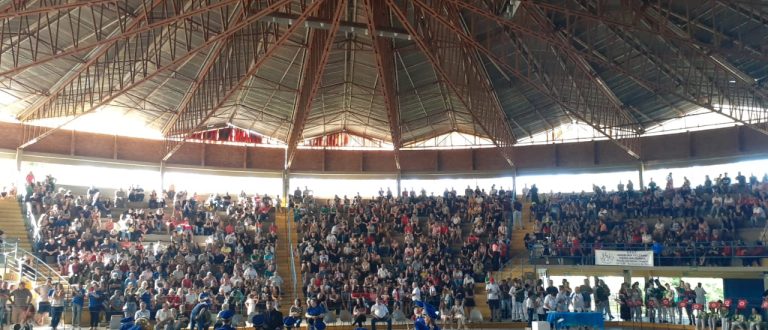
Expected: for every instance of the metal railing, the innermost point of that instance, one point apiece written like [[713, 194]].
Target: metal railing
[[696, 254], [33, 231], [27, 264], [289, 226]]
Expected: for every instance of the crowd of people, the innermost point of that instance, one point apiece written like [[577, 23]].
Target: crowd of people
[[101, 251], [676, 303], [373, 260], [401, 251], [683, 225]]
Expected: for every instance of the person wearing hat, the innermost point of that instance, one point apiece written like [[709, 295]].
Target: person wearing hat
[[225, 317], [273, 318], [315, 314], [423, 320]]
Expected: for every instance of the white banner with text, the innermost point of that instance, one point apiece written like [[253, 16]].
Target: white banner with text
[[623, 258]]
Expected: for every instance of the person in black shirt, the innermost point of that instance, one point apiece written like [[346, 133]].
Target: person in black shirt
[[273, 319]]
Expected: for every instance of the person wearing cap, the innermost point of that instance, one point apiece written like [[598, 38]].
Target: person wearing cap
[[380, 313], [273, 318], [315, 314], [225, 317], [422, 320]]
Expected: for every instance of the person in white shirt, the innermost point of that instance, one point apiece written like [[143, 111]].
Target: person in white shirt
[[415, 293], [276, 280], [701, 294], [550, 303], [530, 306], [577, 300], [458, 316], [380, 313], [165, 318], [493, 292], [562, 300], [142, 313]]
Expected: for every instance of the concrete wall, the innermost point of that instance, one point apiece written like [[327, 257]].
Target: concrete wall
[[720, 144]]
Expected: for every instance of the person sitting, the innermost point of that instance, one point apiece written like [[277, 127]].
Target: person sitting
[[165, 318], [359, 313], [380, 313], [315, 314], [273, 318], [294, 315]]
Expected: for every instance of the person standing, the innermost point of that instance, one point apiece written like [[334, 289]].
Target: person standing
[[95, 305], [586, 292], [78, 299], [4, 295], [56, 297], [20, 299], [493, 291], [602, 294]]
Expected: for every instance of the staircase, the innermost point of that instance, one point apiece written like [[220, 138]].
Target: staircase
[[12, 223], [517, 266], [283, 255]]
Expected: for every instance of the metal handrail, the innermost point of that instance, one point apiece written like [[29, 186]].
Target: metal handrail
[[293, 257], [31, 222]]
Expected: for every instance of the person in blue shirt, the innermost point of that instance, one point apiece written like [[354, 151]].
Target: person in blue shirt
[[126, 323], [199, 317], [315, 314], [78, 299], [95, 305], [225, 317], [423, 321]]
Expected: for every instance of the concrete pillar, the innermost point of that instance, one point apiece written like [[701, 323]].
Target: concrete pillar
[[286, 187], [627, 276], [162, 175], [514, 182], [19, 154], [641, 170], [399, 191], [765, 281]]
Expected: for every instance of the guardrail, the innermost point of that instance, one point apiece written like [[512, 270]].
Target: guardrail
[[30, 221], [289, 222], [27, 264], [696, 254]]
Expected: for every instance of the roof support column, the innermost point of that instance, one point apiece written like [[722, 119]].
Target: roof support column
[[286, 189], [641, 171]]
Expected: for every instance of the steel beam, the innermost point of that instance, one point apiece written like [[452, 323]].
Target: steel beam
[[38, 56], [226, 80], [81, 75], [377, 15], [111, 89], [315, 58], [18, 9], [573, 89], [455, 62]]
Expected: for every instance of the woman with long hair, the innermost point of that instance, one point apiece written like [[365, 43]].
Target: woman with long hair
[[57, 304]]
